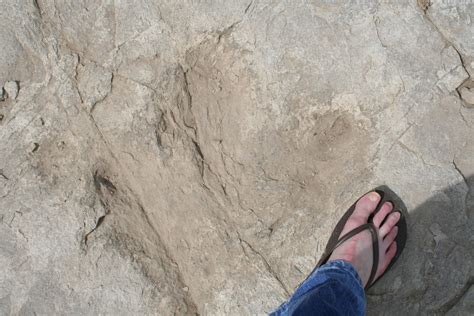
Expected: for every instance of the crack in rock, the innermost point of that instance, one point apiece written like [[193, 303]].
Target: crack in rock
[[266, 264], [457, 297], [424, 5], [97, 225], [2, 174], [101, 183]]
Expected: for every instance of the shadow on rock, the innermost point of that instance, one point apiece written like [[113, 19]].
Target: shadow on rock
[[435, 273]]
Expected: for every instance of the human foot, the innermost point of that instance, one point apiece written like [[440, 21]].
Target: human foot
[[358, 249]]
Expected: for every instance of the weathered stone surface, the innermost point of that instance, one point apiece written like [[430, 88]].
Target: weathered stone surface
[[94, 83], [11, 88], [465, 305], [181, 158], [467, 94]]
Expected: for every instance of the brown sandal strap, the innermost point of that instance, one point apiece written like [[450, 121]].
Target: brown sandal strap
[[375, 247]]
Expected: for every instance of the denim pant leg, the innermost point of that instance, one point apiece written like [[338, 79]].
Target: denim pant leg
[[333, 289]]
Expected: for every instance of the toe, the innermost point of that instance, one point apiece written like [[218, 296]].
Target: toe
[[389, 255], [390, 237], [366, 205], [391, 221], [386, 208]]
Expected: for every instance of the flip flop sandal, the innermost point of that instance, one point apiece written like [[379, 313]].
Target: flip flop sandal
[[335, 241]]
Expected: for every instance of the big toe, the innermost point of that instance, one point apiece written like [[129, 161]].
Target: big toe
[[366, 206]]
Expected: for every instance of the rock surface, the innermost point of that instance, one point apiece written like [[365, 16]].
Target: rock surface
[[467, 94], [182, 158], [11, 89]]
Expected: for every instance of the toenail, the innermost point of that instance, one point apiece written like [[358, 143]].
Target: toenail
[[394, 218], [374, 196]]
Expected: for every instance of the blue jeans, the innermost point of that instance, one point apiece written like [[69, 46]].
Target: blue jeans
[[333, 289]]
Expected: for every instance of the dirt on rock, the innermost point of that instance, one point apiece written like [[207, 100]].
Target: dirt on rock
[[192, 157]]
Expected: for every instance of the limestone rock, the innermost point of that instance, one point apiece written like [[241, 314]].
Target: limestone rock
[[11, 89], [465, 305], [94, 83], [467, 94], [182, 159], [452, 74]]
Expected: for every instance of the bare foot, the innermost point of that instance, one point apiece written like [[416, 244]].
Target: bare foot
[[358, 249]]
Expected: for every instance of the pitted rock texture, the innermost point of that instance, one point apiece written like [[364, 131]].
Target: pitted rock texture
[[192, 157]]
